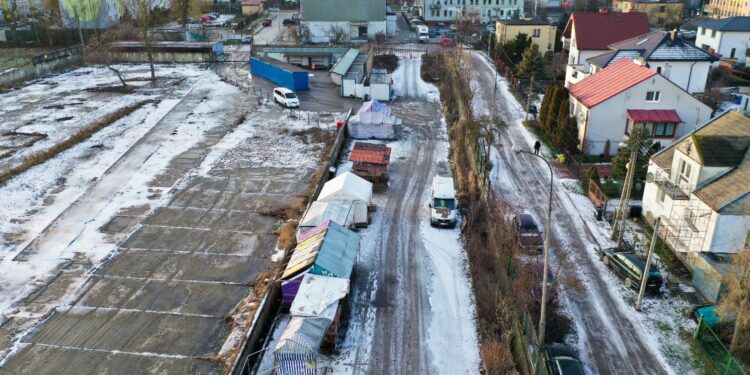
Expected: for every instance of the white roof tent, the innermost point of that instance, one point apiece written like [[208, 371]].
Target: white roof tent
[[349, 214], [319, 296], [347, 187]]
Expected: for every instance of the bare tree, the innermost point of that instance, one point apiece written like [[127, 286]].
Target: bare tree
[[146, 19], [336, 34], [183, 8], [736, 303]]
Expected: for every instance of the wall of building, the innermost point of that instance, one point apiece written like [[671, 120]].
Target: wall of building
[[577, 63], [660, 14], [723, 42], [729, 233], [488, 10], [343, 10], [545, 41], [320, 31], [607, 120]]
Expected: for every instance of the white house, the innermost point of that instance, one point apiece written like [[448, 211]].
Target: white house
[[344, 19], [700, 189], [728, 37], [589, 34], [487, 10], [607, 105], [681, 62]]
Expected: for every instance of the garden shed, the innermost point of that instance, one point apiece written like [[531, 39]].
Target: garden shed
[[328, 249], [350, 214]]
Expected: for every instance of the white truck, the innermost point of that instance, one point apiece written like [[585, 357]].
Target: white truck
[[443, 202], [423, 33]]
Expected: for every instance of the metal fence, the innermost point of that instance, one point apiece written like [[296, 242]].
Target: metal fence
[[721, 358]]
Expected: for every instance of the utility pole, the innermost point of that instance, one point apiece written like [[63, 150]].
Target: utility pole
[[647, 268], [618, 226]]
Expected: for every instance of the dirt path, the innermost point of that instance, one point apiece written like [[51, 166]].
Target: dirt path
[[612, 341]]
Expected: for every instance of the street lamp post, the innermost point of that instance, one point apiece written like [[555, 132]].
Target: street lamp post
[[543, 312]]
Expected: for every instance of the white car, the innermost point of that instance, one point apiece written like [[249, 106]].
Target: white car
[[285, 97]]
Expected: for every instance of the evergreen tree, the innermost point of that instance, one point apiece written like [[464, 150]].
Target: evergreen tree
[[558, 128], [532, 64], [646, 147], [548, 93], [556, 101], [513, 50]]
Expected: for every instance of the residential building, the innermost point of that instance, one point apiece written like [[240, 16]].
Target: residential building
[[700, 189], [542, 33], [589, 34], [487, 10], [252, 6], [343, 19], [609, 103], [727, 8], [727, 37], [661, 14], [673, 57]]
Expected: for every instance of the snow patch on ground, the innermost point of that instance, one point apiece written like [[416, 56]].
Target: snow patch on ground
[[407, 81]]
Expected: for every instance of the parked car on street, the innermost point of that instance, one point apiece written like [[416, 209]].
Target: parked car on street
[[247, 39], [267, 22], [285, 97], [273, 9], [289, 22], [529, 235], [214, 15], [562, 360], [630, 266]]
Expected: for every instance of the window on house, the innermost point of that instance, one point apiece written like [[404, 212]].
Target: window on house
[[662, 8], [713, 33], [660, 195], [660, 20], [536, 33], [731, 54], [450, 13], [705, 47], [658, 69], [684, 172], [652, 96], [664, 129], [445, 13], [703, 31]]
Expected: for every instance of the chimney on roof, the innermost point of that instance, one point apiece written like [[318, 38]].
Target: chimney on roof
[[640, 61], [673, 34]]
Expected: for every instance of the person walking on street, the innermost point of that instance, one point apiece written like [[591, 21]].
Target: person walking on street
[[537, 146]]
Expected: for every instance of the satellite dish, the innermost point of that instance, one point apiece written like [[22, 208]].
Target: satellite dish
[[650, 177]]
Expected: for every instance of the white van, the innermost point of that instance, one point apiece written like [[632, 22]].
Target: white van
[[285, 97], [423, 33], [443, 204]]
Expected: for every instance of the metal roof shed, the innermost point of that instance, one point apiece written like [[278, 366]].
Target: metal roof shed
[[347, 213], [319, 296], [342, 66], [328, 249], [296, 353], [347, 187]]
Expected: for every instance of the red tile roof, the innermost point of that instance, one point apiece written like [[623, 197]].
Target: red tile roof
[[654, 115], [598, 30], [372, 153], [610, 81]]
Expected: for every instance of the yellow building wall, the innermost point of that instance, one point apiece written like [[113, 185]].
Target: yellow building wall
[[659, 14], [728, 8], [545, 42]]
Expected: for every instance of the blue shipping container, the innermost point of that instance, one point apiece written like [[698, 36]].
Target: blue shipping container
[[283, 74]]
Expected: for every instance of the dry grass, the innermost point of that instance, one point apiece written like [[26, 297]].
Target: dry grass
[[287, 236], [78, 137], [489, 237]]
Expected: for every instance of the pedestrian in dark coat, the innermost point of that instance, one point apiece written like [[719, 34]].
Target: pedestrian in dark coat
[[537, 146]]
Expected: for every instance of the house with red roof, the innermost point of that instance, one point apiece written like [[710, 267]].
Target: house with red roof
[[589, 34], [609, 103]]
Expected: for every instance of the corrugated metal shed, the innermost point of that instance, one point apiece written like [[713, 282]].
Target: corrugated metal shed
[[319, 296], [296, 353], [346, 213], [330, 248], [346, 61]]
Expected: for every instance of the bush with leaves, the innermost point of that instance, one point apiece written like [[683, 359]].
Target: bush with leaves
[[512, 51]]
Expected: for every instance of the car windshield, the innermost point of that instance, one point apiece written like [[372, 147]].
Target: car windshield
[[445, 203], [290, 95]]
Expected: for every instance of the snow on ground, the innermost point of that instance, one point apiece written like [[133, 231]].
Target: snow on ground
[[25, 200], [451, 300], [663, 322], [407, 81]]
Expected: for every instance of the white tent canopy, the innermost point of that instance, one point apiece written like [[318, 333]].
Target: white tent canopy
[[373, 120], [347, 187], [319, 296]]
